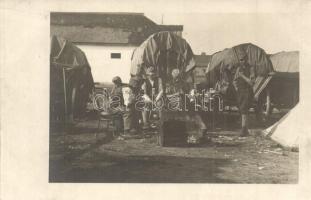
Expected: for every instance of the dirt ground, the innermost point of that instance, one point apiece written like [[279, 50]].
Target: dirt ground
[[86, 154]]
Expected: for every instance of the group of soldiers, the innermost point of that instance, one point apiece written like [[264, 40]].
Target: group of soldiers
[[140, 95], [139, 99]]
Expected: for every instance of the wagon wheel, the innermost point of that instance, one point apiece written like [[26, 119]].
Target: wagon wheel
[[264, 106]]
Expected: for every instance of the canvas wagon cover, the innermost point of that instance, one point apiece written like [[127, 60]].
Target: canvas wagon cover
[[67, 60], [164, 51], [287, 62], [223, 66]]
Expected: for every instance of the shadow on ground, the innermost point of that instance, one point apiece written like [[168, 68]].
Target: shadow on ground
[[140, 169], [86, 154]]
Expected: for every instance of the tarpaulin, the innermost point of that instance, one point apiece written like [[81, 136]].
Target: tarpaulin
[[164, 51], [223, 66], [288, 129], [284, 86], [287, 62], [69, 71]]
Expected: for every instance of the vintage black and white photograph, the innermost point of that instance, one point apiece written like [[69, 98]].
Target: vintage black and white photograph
[[164, 97]]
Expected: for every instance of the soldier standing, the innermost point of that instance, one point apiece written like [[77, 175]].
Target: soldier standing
[[243, 83]]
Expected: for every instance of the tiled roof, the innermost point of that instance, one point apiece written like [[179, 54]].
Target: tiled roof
[[120, 20], [170, 27], [98, 35], [202, 60], [105, 28]]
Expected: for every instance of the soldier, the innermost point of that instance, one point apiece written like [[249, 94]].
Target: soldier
[[243, 83], [153, 92], [179, 86], [117, 104], [132, 115]]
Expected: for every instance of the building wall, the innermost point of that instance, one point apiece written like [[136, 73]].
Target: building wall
[[104, 68], [199, 74]]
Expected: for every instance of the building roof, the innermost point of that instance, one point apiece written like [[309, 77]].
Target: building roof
[[202, 60], [105, 28], [119, 20], [98, 35], [170, 27]]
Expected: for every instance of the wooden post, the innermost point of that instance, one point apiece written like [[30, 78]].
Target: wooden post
[[73, 101], [268, 103], [65, 94]]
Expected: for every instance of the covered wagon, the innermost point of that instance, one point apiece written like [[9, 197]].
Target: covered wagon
[[71, 80], [223, 66], [166, 51], [285, 84]]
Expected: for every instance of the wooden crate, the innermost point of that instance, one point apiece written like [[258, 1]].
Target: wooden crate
[[175, 127]]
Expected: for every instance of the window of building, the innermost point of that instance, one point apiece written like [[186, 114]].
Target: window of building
[[115, 55]]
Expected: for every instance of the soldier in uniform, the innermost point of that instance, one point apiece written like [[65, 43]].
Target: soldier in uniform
[[179, 86], [132, 115], [243, 83], [153, 93], [117, 104]]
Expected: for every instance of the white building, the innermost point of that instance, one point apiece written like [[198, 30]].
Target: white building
[[108, 39], [109, 61]]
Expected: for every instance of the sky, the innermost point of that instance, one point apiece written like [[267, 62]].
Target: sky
[[210, 33]]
